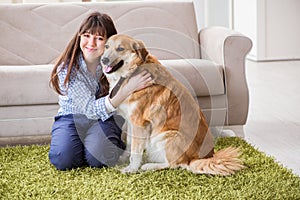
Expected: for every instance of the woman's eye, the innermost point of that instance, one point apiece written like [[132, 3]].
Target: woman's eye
[[120, 49], [100, 38], [86, 35]]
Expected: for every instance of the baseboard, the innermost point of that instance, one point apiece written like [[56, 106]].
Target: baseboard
[[25, 140]]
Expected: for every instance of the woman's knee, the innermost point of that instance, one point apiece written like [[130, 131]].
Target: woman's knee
[[59, 159], [64, 157], [66, 148]]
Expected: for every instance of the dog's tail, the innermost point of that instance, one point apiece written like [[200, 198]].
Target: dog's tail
[[224, 162]]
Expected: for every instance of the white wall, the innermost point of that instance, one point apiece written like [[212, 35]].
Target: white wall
[[245, 21], [217, 13], [199, 10], [273, 26], [213, 13]]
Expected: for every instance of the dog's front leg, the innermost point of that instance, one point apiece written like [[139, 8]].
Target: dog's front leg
[[126, 129], [138, 142]]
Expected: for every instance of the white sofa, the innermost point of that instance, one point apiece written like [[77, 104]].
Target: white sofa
[[209, 62]]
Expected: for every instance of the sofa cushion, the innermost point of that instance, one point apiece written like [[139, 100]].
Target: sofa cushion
[[27, 84], [201, 77]]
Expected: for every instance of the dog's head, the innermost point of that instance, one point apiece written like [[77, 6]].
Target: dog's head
[[122, 55]]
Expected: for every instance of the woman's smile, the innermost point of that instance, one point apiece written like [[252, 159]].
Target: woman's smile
[[92, 45]]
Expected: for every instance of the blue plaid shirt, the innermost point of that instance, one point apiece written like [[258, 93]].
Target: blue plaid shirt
[[80, 94]]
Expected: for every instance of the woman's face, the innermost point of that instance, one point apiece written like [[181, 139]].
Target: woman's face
[[92, 46]]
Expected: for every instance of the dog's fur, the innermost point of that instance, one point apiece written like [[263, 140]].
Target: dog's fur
[[164, 119]]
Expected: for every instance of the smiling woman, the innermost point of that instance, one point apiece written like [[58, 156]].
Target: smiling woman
[[92, 48], [95, 26]]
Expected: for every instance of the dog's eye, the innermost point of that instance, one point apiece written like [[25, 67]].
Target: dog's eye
[[106, 46], [120, 49]]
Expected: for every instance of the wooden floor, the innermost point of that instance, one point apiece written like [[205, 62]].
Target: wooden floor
[[273, 124]]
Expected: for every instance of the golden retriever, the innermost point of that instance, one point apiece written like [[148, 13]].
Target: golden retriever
[[164, 119]]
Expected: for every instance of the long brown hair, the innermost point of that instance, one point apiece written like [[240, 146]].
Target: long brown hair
[[95, 23]]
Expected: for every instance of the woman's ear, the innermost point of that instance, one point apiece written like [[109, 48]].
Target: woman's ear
[[140, 49]]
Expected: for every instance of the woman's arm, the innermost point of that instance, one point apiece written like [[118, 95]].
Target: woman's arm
[[84, 101], [135, 83], [80, 99]]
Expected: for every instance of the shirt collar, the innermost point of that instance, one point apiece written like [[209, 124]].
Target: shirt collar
[[82, 63], [83, 66]]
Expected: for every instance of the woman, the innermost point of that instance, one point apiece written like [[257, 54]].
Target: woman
[[85, 131]]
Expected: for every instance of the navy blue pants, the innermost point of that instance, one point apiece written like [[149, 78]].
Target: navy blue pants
[[78, 141]]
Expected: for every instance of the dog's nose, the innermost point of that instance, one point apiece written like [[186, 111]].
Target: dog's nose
[[105, 60]]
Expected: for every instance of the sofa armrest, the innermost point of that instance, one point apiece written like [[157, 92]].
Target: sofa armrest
[[229, 49]]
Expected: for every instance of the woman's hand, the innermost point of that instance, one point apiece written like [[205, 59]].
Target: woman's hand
[[138, 82], [135, 83]]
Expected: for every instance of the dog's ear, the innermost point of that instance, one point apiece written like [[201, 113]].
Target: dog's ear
[[140, 49]]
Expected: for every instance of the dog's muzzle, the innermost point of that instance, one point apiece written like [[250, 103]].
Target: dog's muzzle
[[111, 68]]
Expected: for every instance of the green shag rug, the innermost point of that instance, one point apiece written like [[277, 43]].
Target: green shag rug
[[25, 173]]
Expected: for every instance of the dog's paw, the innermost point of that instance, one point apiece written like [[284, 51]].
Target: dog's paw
[[129, 169], [154, 166], [147, 166]]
